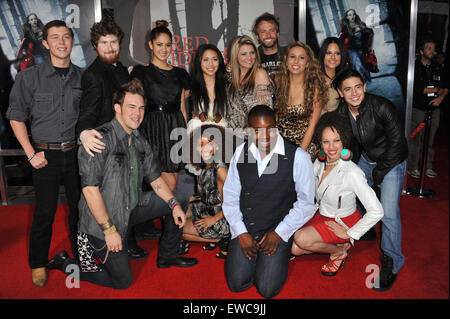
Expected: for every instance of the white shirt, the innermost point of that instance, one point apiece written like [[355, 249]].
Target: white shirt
[[302, 210]]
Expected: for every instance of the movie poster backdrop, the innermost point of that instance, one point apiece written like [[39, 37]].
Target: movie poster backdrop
[[379, 32], [194, 22], [22, 21]]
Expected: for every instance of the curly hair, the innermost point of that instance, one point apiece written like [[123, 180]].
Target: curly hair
[[339, 123], [212, 132], [103, 28], [314, 80], [268, 17]]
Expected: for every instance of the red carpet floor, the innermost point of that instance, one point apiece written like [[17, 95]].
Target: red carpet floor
[[424, 276]]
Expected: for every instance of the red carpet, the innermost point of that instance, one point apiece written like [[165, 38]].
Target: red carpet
[[424, 276]]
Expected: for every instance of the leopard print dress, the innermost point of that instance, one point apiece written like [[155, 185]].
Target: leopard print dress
[[292, 123]]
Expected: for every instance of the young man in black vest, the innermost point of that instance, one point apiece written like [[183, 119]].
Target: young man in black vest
[[268, 195]]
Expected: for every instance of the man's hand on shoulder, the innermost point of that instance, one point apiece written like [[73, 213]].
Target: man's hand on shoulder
[[91, 141]]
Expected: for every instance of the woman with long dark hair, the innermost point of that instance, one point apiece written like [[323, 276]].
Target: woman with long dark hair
[[166, 88], [208, 97], [357, 39], [333, 60]]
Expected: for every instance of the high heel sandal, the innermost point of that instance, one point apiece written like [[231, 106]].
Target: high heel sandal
[[332, 268]]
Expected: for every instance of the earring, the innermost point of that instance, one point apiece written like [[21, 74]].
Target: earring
[[346, 154], [321, 155]]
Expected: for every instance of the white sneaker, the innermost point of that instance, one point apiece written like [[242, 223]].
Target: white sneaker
[[415, 173], [430, 173]]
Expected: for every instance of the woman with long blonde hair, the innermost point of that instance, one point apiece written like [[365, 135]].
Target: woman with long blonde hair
[[301, 92], [249, 84]]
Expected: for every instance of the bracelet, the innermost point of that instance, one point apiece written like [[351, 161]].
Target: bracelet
[[106, 225], [110, 230], [172, 203], [31, 156]]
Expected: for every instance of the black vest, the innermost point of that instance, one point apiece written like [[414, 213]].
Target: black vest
[[266, 200]]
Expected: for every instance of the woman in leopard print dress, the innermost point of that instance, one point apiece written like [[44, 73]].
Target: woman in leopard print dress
[[301, 92]]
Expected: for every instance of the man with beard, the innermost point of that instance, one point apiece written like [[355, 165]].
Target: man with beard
[[267, 31], [430, 89], [100, 80]]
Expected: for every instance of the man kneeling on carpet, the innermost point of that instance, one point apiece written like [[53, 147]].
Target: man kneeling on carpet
[[339, 181], [268, 195], [112, 200]]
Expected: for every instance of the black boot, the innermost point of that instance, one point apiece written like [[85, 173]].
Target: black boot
[[134, 251], [386, 278]]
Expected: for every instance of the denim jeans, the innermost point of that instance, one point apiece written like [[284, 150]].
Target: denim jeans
[[61, 169], [391, 227], [117, 272], [267, 273]]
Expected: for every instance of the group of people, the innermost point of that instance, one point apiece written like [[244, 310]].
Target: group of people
[[317, 161]]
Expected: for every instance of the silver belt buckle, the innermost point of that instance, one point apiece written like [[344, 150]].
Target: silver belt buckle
[[63, 146]]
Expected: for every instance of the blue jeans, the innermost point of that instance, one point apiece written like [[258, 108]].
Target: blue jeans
[[391, 226], [267, 273]]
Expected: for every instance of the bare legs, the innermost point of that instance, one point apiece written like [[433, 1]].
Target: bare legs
[[307, 241]]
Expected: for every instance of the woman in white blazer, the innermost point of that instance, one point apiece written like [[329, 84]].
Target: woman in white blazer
[[339, 181]]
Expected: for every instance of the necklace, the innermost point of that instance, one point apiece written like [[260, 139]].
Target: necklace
[[332, 163]]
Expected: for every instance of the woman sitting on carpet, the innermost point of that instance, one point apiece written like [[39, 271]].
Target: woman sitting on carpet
[[339, 181], [205, 221]]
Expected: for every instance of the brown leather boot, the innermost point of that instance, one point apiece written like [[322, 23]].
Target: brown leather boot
[[39, 276]]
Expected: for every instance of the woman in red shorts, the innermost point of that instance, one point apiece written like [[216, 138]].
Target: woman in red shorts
[[337, 223]]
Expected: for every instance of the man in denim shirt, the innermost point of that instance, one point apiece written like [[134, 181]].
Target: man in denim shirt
[[49, 95], [112, 201]]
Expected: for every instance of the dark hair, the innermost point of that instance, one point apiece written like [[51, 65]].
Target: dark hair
[[207, 131], [103, 28], [345, 25], [425, 41], [54, 23], [199, 92], [266, 16], [133, 87], [339, 123], [152, 34], [261, 111], [347, 73], [323, 51]]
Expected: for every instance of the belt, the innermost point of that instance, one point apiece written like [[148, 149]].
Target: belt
[[64, 146]]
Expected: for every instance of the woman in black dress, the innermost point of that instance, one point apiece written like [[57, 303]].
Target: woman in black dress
[[166, 88]]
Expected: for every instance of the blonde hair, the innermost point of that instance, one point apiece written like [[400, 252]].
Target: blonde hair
[[314, 80], [248, 82]]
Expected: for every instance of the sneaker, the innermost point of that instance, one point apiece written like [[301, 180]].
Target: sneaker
[[430, 173], [415, 173]]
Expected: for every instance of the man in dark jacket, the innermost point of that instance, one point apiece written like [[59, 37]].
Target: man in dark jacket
[[430, 89], [112, 199], [100, 80], [382, 149]]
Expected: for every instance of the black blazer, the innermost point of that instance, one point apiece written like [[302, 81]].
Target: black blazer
[[98, 83]]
